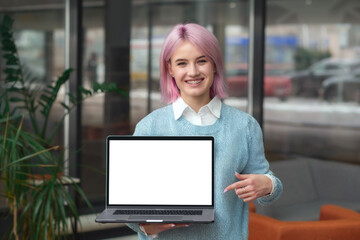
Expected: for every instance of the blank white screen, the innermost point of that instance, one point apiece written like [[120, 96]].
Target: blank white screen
[[160, 172]]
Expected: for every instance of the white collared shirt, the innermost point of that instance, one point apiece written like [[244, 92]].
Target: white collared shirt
[[206, 116]]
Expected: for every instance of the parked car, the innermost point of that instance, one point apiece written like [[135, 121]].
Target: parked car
[[309, 82], [342, 88], [276, 83]]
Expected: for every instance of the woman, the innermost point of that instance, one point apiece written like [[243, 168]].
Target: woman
[[192, 83]]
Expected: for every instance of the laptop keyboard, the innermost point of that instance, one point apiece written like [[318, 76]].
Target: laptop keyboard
[[158, 212]]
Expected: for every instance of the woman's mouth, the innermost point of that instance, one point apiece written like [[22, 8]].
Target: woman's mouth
[[196, 81]]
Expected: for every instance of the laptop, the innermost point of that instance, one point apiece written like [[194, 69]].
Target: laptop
[[159, 179]]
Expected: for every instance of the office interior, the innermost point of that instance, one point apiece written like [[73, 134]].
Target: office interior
[[292, 64]]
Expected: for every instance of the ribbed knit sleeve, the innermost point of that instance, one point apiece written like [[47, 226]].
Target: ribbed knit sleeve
[[257, 163]]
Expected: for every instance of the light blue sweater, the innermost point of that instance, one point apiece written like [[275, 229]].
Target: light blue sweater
[[238, 147]]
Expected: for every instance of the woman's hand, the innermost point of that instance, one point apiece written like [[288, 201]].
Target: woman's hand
[[251, 186], [156, 228]]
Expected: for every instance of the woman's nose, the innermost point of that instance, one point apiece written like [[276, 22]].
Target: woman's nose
[[193, 71]]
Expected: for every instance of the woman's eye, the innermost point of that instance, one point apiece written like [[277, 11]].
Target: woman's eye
[[202, 61], [181, 63]]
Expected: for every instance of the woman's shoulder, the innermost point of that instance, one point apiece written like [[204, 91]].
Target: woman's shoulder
[[240, 119], [152, 120], [232, 112]]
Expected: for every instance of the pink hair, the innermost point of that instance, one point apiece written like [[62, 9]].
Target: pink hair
[[207, 44]]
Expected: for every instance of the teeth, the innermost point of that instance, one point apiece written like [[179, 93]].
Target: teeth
[[194, 82]]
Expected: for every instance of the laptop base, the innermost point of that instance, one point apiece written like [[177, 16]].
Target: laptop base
[[107, 216]]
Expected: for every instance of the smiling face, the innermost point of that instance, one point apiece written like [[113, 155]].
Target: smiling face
[[193, 73]]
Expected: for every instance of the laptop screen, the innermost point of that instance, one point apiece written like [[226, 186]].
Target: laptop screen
[[160, 171]]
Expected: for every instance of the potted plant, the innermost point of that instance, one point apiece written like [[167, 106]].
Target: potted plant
[[39, 209]]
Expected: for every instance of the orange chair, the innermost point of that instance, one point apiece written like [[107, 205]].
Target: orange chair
[[336, 223]]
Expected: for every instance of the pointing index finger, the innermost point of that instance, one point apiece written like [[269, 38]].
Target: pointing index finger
[[230, 187], [238, 184]]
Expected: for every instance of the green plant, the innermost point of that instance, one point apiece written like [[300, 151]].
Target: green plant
[[39, 209]]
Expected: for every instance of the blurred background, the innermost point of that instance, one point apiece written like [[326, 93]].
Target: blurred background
[[311, 67]]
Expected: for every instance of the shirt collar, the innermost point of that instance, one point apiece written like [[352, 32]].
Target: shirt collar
[[215, 107], [180, 105]]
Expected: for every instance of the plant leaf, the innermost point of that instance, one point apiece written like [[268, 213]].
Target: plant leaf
[[65, 106], [51, 97]]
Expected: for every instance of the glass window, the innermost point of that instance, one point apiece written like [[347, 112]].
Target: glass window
[[236, 58], [312, 109]]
